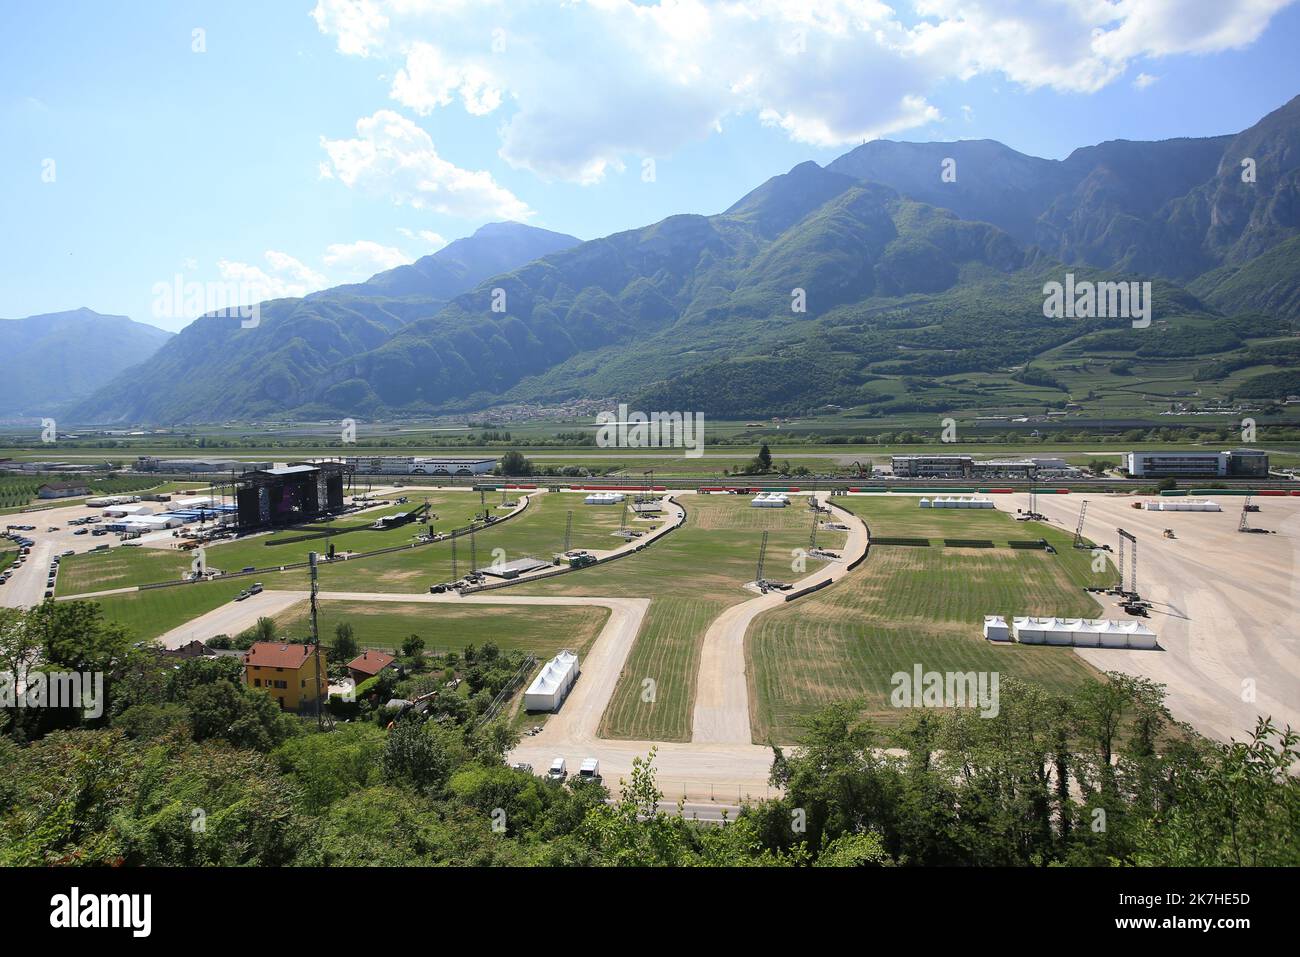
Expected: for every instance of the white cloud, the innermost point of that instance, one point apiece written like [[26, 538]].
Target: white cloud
[[1144, 80], [363, 258], [285, 277], [393, 156], [589, 85], [431, 240]]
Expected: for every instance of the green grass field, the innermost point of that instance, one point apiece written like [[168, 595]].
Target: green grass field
[[120, 567], [691, 575], [445, 627], [148, 614], [911, 605]]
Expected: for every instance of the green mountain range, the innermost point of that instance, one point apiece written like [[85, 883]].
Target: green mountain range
[[57, 358], [901, 277]]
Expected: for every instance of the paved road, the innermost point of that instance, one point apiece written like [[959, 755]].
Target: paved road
[[1226, 606], [722, 690], [27, 585]]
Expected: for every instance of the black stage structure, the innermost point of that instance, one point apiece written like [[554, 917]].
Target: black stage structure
[[298, 492]]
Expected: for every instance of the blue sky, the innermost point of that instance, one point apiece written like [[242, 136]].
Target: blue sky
[[311, 142]]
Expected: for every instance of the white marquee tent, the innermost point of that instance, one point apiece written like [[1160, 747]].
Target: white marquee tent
[[552, 684], [995, 628], [1083, 632]]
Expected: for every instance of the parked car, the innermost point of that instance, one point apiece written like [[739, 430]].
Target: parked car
[[256, 589], [81, 531], [242, 595]]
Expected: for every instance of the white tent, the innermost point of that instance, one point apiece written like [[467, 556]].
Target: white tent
[[1059, 631], [1088, 633], [1139, 635], [552, 684], [1029, 631], [924, 503], [603, 498], [995, 628], [770, 500]]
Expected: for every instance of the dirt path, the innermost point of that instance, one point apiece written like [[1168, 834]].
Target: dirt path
[[722, 713]]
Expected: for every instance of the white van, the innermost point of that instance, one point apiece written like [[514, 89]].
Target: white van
[[590, 770], [558, 772]]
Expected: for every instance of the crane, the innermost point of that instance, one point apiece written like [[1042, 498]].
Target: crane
[[762, 555], [1244, 525], [568, 531]]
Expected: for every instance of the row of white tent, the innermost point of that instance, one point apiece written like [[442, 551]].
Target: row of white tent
[[552, 684], [958, 501], [603, 498], [1085, 632], [770, 500], [1181, 505]]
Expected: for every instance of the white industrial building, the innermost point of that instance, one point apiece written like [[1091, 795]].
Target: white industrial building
[[1083, 632], [553, 683], [197, 501], [121, 511], [995, 628], [151, 523], [603, 498], [955, 501], [1173, 504], [770, 500], [413, 465]]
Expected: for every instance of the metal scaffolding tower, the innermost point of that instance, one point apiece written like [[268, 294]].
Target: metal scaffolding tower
[[1078, 529]]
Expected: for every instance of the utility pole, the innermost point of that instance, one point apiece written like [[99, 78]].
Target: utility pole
[[812, 536], [315, 639], [454, 576], [473, 553]]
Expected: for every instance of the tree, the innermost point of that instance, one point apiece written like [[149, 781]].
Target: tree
[[633, 831], [414, 757], [19, 648], [514, 463], [344, 647], [413, 646], [245, 718], [764, 459]]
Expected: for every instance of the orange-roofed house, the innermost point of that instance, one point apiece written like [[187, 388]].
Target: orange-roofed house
[[287, 672], [368, 664]]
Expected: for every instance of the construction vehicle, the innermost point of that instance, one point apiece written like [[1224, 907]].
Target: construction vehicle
[[1169, 533]]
